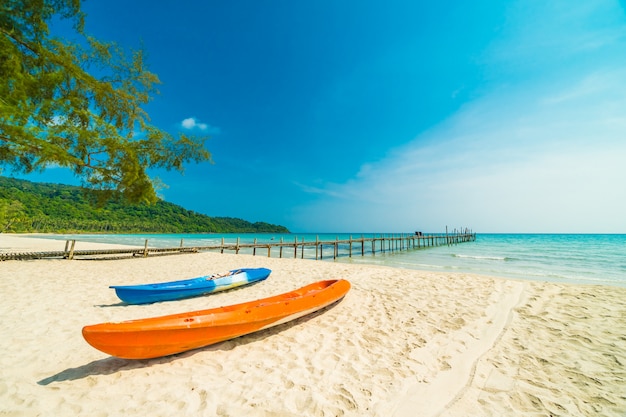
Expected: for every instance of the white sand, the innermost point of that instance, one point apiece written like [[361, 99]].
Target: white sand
[[402, 343]]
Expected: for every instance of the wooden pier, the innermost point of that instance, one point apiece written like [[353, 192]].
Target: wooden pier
[[298, 248]]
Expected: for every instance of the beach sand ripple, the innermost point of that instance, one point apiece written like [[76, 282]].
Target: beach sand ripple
[[401, 343]]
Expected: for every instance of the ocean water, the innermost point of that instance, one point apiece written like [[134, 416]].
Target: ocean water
[[573, 258]]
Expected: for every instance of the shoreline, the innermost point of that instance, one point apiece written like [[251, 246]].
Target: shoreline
[[401, 343], [594, 261]]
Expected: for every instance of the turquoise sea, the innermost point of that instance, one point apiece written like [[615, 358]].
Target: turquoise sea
[[575, 258]]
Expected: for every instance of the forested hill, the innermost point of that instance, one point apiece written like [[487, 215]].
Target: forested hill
[[27, 206]]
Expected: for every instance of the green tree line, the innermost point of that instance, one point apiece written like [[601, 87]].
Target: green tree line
[[27, 206]]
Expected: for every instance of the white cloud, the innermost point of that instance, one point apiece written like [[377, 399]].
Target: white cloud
[[192, 123], [556, 179], [543, 154]]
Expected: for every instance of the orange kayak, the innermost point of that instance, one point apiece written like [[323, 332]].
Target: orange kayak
[[166, 335]]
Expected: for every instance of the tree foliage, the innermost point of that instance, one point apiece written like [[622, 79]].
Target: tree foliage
[[27, 206], [79, 104]]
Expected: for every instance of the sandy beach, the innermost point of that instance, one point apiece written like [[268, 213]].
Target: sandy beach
[[402, 343]]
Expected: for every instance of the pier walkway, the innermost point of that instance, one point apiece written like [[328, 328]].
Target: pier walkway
[[297, 248]]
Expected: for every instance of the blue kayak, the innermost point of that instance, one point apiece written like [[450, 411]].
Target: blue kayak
[[176, 290]]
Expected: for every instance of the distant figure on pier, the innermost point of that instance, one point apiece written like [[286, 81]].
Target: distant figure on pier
[[418, 233]]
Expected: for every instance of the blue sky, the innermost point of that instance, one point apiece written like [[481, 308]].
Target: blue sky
[[394, 116]]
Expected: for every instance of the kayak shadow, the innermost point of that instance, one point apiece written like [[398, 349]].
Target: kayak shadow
[[112, 364], [120, 304], [105, 366]]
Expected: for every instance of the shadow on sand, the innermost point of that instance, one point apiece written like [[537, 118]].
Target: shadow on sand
[[113, 365]]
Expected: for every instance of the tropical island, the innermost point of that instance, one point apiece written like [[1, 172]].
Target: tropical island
[[27, 207]]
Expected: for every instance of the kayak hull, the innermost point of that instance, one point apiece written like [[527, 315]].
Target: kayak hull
[[194, 287]]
